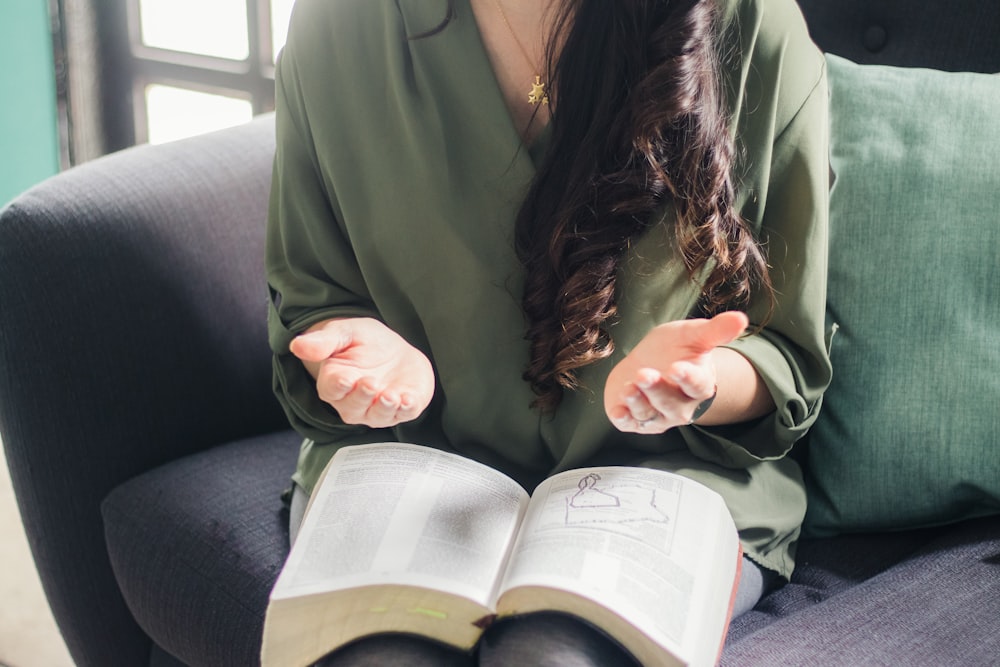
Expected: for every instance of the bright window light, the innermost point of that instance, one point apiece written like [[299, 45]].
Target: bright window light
[[176, 113], [208, 27], [281, 11]]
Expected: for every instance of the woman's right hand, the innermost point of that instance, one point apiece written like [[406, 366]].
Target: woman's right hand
[[366, 371]]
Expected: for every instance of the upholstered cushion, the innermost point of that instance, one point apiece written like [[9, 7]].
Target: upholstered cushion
[[910, 430], [197, 544], [132, 332], [925, 597]]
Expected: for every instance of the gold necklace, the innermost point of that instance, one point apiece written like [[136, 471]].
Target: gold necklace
[[537, 93]]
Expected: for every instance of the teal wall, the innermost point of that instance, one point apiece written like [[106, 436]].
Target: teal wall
[[29, 138]]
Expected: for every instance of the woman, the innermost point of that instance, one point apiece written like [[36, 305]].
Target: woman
[[550, 234]]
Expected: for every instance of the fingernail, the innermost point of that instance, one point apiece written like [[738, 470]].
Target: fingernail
[[647, 378]]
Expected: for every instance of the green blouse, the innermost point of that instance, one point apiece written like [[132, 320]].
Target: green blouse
[[398, 176]]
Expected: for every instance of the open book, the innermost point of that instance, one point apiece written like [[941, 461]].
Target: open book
[[402, 538]]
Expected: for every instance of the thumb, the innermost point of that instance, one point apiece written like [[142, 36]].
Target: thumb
[[320, 344], [721, 329]]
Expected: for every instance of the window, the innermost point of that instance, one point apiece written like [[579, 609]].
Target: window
[[200, 65], [132, 71]]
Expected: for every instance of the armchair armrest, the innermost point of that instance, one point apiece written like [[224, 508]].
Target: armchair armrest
[[133, 333]]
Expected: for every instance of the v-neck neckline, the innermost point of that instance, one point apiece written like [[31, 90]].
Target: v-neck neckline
[[465, 14]]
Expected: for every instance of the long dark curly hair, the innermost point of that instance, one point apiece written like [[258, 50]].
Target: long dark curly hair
[[638, 121]]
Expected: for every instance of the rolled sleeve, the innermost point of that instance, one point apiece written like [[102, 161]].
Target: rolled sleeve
[[312, 272]]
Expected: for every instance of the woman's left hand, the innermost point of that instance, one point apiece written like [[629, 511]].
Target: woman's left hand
[[661, 382]]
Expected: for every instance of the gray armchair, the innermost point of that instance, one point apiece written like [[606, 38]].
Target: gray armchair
[[133, 355]]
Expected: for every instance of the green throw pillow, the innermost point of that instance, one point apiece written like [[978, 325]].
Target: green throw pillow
[[909, 434]]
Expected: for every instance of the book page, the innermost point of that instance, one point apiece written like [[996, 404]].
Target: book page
[[640, 542], [398, 513]]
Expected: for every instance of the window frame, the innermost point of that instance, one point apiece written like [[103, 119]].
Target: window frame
[[251, 79], [102, 70]]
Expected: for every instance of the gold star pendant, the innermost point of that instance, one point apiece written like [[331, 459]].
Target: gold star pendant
[[538, 93]]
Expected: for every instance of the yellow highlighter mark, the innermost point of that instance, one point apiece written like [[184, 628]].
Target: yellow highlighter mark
[[433, 613], [378, 610]]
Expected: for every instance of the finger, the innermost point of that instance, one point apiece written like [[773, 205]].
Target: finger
[[721, 329], [694, 380], [409, 407], [638, 405], [321, 344], [666, 397], [335, 381], [622, 419], [354, 406], [390, 409], [383, 410]]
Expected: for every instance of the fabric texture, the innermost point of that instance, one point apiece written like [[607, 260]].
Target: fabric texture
[[435, 261], [910, 429], [535, 640], [132, 333], [956, 36], [197, 544], [924, 598]]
